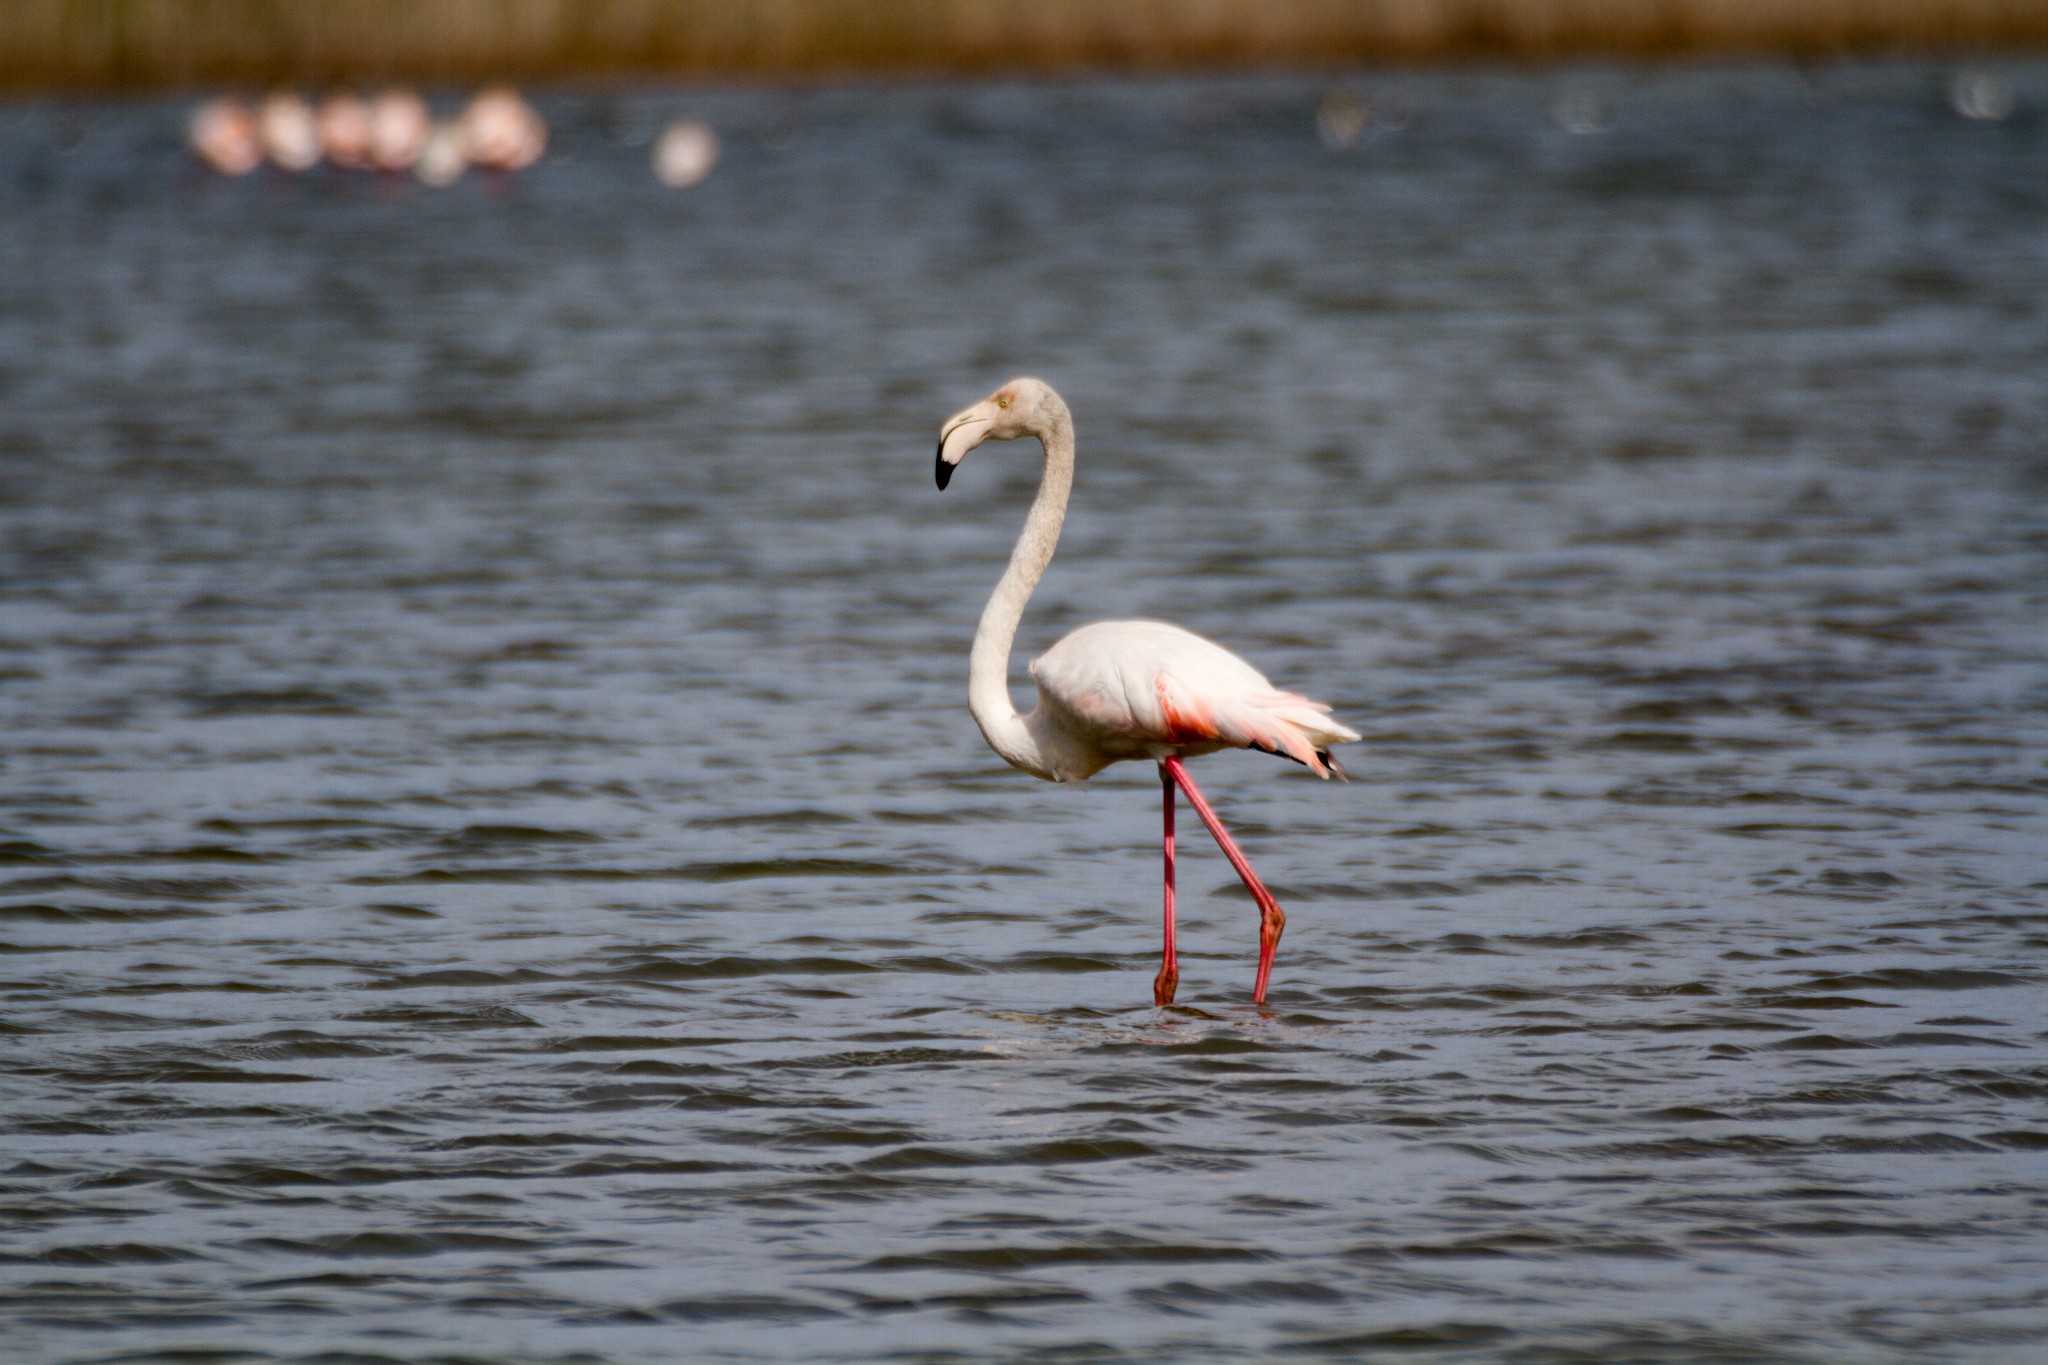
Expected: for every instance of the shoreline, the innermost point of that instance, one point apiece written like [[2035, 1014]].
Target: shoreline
[[116, 46]]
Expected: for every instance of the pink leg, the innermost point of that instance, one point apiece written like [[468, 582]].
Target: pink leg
[[1168, 980], [1271, 918]]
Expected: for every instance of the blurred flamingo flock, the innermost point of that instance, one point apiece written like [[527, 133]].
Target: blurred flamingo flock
[[395, 132]]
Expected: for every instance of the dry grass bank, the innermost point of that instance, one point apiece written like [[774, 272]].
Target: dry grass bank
[[109, 44]]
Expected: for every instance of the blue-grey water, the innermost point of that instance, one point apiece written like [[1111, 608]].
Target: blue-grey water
[[497, 866]]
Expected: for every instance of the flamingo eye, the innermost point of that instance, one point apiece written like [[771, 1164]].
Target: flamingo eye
[[1002, 402]]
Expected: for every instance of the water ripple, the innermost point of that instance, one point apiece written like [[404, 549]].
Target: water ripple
[[494, 864]]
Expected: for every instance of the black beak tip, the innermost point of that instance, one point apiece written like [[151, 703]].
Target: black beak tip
[[942, 471]]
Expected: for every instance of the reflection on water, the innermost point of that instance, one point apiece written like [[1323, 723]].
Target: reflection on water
[[497, 864]]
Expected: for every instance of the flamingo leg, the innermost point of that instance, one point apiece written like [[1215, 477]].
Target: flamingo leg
[[1168, 979], [1271, 918]]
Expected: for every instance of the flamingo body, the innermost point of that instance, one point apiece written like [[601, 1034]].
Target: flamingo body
[[1143, 689], [1119, 690]]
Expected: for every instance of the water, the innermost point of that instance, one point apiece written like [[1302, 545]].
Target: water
[[497, 865]]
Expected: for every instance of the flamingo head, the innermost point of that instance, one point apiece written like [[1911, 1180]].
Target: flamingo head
[[1022, 407]]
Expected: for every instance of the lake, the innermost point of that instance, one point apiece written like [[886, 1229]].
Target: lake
[[495, 864]]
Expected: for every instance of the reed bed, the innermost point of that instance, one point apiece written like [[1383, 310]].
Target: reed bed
[[115, 44]]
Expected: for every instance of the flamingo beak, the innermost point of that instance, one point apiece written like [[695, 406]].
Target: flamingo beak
[[960, 435]]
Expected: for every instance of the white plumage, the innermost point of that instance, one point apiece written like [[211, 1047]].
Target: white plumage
[[1141, 689]]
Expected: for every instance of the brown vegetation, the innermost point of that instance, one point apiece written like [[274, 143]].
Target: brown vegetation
[[86, 44]]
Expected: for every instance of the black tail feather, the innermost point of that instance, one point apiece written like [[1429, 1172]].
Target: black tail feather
[[1329, 760]]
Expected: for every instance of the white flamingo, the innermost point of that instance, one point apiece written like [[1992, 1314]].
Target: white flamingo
[[223, 134], [1119, 690]]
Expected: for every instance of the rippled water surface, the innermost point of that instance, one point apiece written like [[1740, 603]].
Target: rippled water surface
[[497, 865]]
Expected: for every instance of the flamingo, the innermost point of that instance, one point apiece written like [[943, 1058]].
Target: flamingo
[[399, 127], [502, 132], [223, 135], [344, 122], [291, 134], [1118, 690]]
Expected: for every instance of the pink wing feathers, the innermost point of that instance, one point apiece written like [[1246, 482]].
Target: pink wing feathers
[[1140, 683], [1283, 723]]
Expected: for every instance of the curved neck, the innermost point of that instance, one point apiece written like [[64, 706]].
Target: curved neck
[[988, 668]]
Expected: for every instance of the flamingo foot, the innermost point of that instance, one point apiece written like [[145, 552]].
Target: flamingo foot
[[1272, 920], [1165, 984]]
